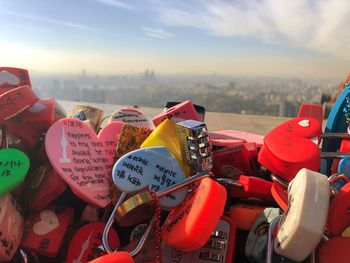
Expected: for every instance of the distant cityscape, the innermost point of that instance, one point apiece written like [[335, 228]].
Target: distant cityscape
[[243, 95]]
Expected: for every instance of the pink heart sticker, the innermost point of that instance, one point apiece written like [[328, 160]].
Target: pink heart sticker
[[83, 159]]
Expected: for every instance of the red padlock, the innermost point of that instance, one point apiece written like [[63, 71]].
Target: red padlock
[[32, 123], [11, 78], [314, 111], [291, 146], [11, 227], [251, 187], [334, 250], [231, 138], [339, 216], [86, 243], [177, 113], [118, 257], [45, 186], [232, 161], [44, 231], [188, 227]]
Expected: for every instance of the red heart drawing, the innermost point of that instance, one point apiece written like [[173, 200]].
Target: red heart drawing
[[288, 148], [83, 159]]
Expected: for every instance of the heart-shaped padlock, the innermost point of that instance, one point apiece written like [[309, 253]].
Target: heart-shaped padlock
[[82, 158], [14, 165], [189, 226], [288, 148]]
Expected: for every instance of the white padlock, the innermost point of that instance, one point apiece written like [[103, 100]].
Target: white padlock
[[302, 225]]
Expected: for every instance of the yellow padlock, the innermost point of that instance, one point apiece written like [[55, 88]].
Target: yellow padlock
[[165, 135]]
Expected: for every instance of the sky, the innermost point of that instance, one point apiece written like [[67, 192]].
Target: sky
[[289, 38]]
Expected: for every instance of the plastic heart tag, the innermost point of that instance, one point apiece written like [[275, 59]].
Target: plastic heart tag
[[45, 231], [288, 148], [15, 101], [180, 112], [14, 166], [188, 227], [11, 225], [86, 241], [132, 117], [11, 78], [154, 167], [82, 158], [33, 122]]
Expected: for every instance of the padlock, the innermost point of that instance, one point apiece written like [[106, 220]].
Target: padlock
[[82, 158], [132, 117], [44, 186], [314, 111], [182, 111], [87, 241], [231, 161], [11, 227], [199, 109], [92, 116], [245, 214], [32, 123], [14, 165], [195, 145], [165, 134], [271, 256], [339, 217], [11, 78], [227, 138], [256, 245], [44, 231], [219, 248], [305, 217], [154, 167], [188, 227], [336, 123], [122, 257], [292, 146], [250, 187], [279, 191], [334, 250], [131, 139]]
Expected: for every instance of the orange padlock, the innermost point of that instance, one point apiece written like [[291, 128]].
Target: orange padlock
[[118, 257], [188, 227], [245, 215]]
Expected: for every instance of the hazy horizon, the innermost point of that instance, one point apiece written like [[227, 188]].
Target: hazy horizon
[[267, 38]]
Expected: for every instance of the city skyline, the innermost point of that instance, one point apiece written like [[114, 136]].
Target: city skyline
[[295, 38]]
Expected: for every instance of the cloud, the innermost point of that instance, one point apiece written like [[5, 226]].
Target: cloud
[[116, 3], [321, 26], [50, 21], [157, 33]]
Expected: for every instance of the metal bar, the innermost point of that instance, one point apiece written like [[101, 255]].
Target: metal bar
[[334, 155], [335, 135], [141, 242]]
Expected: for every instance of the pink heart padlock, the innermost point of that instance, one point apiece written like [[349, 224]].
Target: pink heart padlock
[[83, 159]]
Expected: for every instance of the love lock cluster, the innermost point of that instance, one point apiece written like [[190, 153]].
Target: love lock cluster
[[124, 188]]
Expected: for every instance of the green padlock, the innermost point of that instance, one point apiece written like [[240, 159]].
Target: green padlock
[[14, 166]]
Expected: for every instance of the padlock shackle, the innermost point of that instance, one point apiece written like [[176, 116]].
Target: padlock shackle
[[142, 240], [229, 182], [269, 249], [110, 223], [24, 256], [280, 181]]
